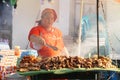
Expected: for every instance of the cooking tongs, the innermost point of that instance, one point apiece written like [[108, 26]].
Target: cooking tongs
[[53, 47], [50, 46]]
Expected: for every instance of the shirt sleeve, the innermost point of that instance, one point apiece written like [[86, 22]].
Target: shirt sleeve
[[34, 31]]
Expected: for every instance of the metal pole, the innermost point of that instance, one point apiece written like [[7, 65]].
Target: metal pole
[[97, 12], [80, 27]]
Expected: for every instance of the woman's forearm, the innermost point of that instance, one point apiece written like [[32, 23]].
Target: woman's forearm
[[37, 39], [34, 38]]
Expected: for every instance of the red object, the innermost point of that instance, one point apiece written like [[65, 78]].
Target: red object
[[6, 70], [117, 1]]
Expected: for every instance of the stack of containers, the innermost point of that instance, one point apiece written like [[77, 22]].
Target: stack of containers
[[8, 62]]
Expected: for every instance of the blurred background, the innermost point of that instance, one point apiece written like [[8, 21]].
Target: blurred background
[[76, 19]]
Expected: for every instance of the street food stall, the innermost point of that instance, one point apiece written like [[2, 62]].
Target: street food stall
[[65, 67], [95, 66], [89, 46]]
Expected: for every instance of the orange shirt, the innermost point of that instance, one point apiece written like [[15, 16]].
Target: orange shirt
[[54, 38]]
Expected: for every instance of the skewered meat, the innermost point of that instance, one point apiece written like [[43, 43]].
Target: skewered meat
[[29, 63]]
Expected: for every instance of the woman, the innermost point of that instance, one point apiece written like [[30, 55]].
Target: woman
[[46, 34]]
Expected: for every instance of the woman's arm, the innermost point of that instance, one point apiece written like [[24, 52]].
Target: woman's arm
[[37, 39], [37, 42]]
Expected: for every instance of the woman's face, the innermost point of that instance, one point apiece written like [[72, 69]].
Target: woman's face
[[47, 19]]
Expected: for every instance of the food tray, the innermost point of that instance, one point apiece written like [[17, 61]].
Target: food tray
[[30, 73], [66, 70]]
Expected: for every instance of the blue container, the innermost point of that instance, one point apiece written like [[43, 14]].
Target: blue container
[[29, 52]]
